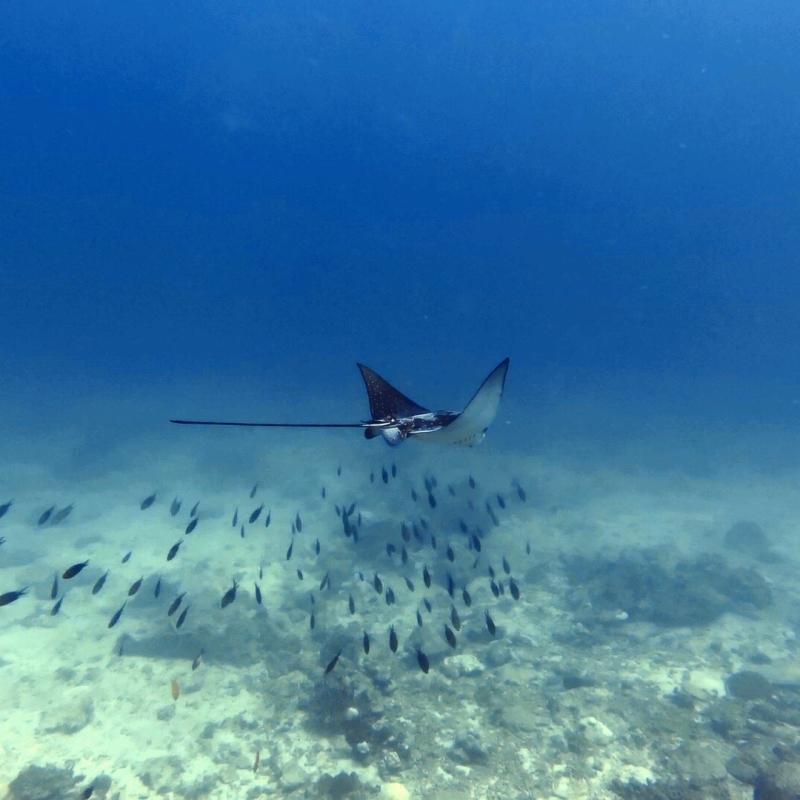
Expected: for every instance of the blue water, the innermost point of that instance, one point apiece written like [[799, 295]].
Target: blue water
[[214, 209], [268, 194]]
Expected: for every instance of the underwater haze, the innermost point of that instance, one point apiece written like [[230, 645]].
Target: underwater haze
[[214, 211]]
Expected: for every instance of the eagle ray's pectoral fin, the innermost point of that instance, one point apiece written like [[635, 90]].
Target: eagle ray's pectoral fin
[[470, 426]]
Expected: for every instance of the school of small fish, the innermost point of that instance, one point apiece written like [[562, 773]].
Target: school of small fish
[[415, 553]]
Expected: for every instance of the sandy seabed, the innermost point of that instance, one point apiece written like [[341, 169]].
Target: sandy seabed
[[576, 696]]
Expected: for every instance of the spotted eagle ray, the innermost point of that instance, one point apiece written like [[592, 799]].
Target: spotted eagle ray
[[396, 417]]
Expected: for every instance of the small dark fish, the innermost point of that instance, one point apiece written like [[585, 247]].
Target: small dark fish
[[4, 508], [404, 532], [2, 539], [87, 793], [173, 607], [135, 586], [62, 513], [148, 501], [182, 617], [404, 555], [392, 640], [451, 491], [299, 574], [191, 526], [491, 571], [423, 662], [471, 482], [520, 491], [260, 572], [323, 493], [419, 618], [372, 476], [365, 643], [254, 490], [390, 549], [316, 547], [127, 557], [298, 523], [490, 626], [256, 513], [466, 597], [451, 556], [173, 551], [512, 585], [45, 515], [193, 512], [384, 475], [197, 659], [289, 551], [433, 541], [451, 586], [428, 605], [476, 543], [501, 501], [506, 566], [495, 588], [431, 500], [258, 594], [268, 519], [156, 591], [72, 571], [332, 663], [410, 584], [57, 607], [351, 604], [100, 583], [10, 597], [230, 595], [117, 614], [527, 548], [414, 495], [394, 470], [492, 515], [475, 562], [241, 531], [390, 599], [339, 470], [454, 618], [463, 526], [257, 761], [54, 587], [426, 577], [175, 507], [450, 636], [377, 583], [351, 508], [235, 520]]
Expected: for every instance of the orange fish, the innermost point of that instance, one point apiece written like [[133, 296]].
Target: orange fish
[[176, 690]]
